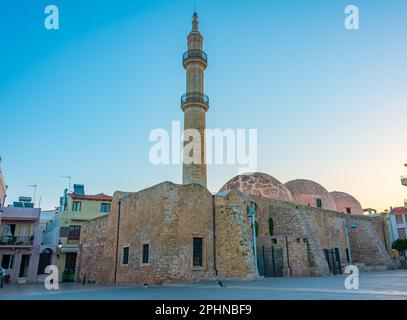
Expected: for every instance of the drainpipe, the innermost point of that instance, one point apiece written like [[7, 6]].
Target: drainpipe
[[384, 234], [347, 241], [288, 256], [214, 234], [252, 215], [117, 242]]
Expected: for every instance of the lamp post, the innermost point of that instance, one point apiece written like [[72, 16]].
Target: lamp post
[[59, 246]]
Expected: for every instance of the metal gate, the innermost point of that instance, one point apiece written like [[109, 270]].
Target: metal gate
[[334, 260], [270, 261]]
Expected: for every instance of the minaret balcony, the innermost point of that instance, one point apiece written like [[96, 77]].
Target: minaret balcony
[[404, 180], [195, 55], [195, 98]]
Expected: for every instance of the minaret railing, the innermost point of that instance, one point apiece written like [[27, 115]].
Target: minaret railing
[[195, 97], [195, 54]]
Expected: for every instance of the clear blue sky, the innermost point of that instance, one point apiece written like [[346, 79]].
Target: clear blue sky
[[329, 104]]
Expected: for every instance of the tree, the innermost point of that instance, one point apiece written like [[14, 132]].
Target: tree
[[400, 245]]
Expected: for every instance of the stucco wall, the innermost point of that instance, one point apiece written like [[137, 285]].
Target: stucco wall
[[2, 191]]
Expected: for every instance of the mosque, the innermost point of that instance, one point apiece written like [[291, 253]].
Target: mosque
[[254, 227]]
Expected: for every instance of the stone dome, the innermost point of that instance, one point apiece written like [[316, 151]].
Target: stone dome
[[310, 193], [258, 184], [346, 203]]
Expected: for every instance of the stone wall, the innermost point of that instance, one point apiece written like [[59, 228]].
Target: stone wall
[[325, 229], [234, 244], [366, 243], [293, 220], [168, 216], [295, 252], [89, 261]]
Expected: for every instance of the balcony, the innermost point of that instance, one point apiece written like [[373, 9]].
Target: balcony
[[15, 241], [404, 180], [195, 98], [73, 241], [195, 55]]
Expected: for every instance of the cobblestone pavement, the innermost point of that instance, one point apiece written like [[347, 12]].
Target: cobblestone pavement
[[389, 285]]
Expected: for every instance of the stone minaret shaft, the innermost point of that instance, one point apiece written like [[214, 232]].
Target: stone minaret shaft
[[195, 103]]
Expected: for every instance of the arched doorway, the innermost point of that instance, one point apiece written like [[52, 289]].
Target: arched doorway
[[45, 260]]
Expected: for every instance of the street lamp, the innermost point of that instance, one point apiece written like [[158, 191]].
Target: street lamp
[[59, 246]]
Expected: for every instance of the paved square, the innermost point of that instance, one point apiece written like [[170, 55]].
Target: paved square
[[389, 285]]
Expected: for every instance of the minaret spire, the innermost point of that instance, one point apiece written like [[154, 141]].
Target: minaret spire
[[195, 22], [195, 103]]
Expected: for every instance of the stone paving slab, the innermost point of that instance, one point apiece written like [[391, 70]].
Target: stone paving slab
[[389, 285]]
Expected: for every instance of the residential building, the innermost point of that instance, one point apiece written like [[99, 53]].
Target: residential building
[[64, 230], [20, 241], [3, 189], [47, 216], [398, 222]]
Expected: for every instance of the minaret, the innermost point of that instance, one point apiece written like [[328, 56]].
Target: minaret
[[194, 102]]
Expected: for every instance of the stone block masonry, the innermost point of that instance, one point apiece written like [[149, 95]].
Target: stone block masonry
[[89, 261], [168, 217]]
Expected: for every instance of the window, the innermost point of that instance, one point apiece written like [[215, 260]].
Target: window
[[76, 206], [146, 249], [7, 262], [74, 232], [399, 219], [125, 260], [348, 210], [402, 233], [197, 252], [25, 261], [105, 207], [319, 203], [10, 230]]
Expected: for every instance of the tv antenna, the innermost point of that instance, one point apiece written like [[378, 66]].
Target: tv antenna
[[70, 181], [35, 190]]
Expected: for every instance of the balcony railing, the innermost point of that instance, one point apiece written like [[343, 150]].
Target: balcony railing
[[72, 241], [195, 54], [16, 241], [404, 180], [195, 97]]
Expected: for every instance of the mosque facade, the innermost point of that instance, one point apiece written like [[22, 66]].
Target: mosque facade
[[172, 232]]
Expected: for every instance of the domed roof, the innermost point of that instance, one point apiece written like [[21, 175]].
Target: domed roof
[[258, 184], [310, 193], [346, 203]]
